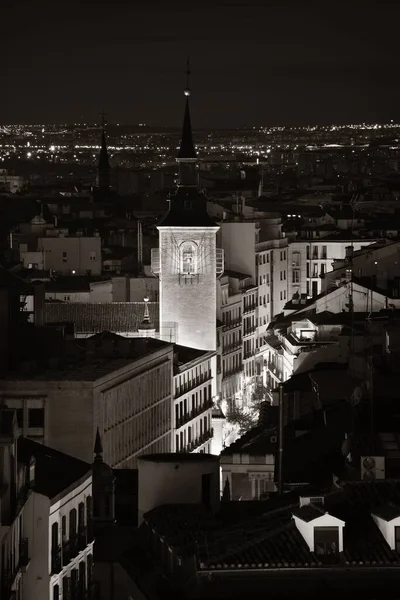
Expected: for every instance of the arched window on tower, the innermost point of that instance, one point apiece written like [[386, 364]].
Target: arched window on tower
[[188, 258]]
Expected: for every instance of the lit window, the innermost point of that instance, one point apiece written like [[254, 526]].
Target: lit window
[[188, 258]]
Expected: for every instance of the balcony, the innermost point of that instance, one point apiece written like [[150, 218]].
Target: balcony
[[249, 308], [233, 371], [249, 330], [232, 324], [232, 347], [195, 412], [247, 355], [56, 561], [199, 441], [193, 384]]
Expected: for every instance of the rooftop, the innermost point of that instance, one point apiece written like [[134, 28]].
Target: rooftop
[[83, 363], [270, 540], [55, 471], [185, 355], [236, 274], [119, 317]]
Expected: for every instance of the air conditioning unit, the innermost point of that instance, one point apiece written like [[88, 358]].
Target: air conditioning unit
[[315, 500], [372, 468]]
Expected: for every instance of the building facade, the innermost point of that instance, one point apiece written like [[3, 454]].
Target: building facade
[[129, 399], [194, 395]]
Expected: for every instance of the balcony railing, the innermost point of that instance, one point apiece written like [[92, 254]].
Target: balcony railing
[[69, 549], [232, 347], [250, 354], [249, 330], [56, 561], [249, 308], [194, 383], [233, 371], [199, 441], [232, 324], [195, 412]]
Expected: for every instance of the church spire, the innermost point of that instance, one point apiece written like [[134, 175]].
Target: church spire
[[187, 150], [103, 164], [98, 447], [146, 327]]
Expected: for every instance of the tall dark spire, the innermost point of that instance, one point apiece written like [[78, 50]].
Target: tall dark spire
[[98, 447], [104, 164], [187, 150], [188, 206]]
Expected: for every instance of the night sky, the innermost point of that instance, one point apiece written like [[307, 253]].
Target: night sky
[[253, 62]]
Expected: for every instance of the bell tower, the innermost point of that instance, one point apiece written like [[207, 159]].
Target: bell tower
[[187, 260]]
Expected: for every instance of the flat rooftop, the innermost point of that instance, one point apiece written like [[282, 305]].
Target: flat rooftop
[[90, 366]]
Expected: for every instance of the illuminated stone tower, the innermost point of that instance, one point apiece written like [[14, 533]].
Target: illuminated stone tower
[[187, 260]]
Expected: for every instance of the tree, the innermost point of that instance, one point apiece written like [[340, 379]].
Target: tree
[[247, 417]]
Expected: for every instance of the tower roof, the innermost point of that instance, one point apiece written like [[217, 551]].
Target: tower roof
[[187, 149], [98, 446]]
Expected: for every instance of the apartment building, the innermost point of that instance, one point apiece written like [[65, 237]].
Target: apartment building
[[230, 314], [310, 260], [123, 386], [46, 543], [195, 380], [71, 255]]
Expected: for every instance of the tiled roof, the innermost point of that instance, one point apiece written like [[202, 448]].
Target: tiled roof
[[55, 471], [309, 512], [272, 540], [387, 512], [117, 317]]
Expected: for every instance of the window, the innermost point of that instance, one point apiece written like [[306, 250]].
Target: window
[[20, 417], [56, 592], [64, 257], [324, 252], [188, 258], [296, 259], [67, 298], [308, 252], [326, 540], [36, 417], [93, 256], [315, 252], [72, 524], [322, 269], [296, 276], [315, 270], [81, 516], [64, 529]]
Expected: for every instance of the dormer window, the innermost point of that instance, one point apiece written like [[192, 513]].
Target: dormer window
[[387, 519], [188, 258], [326, 540], [322, 532]]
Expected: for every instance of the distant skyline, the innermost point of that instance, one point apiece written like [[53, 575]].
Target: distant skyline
[[287, 62]]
